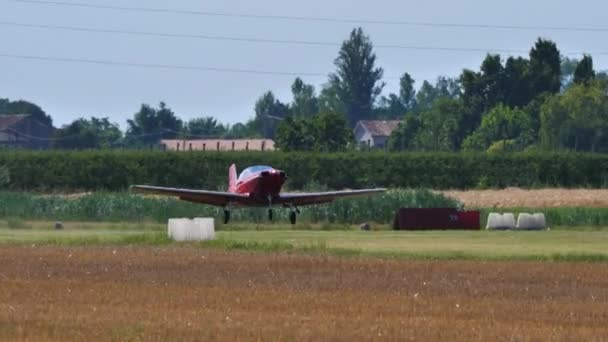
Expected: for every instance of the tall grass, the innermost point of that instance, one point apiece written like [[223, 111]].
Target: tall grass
[[128, 207], [133, 208]]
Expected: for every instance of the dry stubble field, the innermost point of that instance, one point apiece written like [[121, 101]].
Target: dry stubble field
[[531, 198], [187, 293]]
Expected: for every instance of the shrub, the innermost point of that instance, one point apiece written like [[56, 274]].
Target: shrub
[[116, 170]]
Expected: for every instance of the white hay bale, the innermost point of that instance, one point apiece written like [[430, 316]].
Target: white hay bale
[[540, 220], [531, 222], [498, 221], [525, 221], [199, 229], [508, 220], [494, 221], [206, 226]]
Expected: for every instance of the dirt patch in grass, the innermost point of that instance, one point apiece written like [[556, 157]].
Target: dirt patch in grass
[[122, 293], [539, 198]]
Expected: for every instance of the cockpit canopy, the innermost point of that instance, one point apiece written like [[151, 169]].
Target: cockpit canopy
[[251, 170]]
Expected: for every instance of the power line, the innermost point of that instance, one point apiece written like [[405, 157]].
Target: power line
[[264, 40], [159, 66], [241, 39], [314, 19]]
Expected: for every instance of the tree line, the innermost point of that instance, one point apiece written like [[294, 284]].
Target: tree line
[[541, 101]]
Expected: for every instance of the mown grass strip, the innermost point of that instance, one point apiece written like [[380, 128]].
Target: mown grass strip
[[137, 239], [410, 246], [322, 248]]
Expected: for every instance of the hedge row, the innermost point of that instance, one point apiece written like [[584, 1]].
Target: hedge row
[[116, 170]]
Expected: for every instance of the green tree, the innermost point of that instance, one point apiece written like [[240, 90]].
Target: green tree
[[305, 102], [269, 111], [396, 105], [390, 107], [356, 83], [485, 89], [576, 119], [428, 93], [206, 127], [296, 134], [426, 96], [568, 67], [584, 72], [493, 80], [442, 126], [545, 68], [332, 132], [517, 92], [502, 124], [88, 134], [407, 92], [404, 137], [25, 107], [149, 125], [447, 87], [242, 131], [325, 132]]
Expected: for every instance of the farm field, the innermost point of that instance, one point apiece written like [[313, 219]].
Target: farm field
[[531, 198], [189, 293]]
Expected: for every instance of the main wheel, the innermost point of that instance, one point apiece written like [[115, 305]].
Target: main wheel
[[226, 216], [269, 214], [292, 217]]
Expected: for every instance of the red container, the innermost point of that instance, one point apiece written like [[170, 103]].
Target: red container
[[436, 219]]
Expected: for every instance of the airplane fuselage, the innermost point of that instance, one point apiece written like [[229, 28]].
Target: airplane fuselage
[[262, 186]]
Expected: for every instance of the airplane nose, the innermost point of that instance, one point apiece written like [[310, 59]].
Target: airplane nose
[[274, 173]]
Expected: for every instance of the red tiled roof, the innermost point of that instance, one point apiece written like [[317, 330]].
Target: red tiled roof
[[380, 127], [224, 145], [7, 121]]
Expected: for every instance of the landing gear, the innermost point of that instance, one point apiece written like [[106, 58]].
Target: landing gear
[[269, 208], [293, 214], [226, 216], [292, 217]]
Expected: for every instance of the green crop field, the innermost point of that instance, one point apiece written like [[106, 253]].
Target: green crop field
[[133, 208], [580, 244]]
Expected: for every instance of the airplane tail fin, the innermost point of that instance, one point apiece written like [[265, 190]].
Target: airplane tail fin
[[232, 178]]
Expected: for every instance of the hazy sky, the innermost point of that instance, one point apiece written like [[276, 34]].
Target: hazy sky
[[67, 90]]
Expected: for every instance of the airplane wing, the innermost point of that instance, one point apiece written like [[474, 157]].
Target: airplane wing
[[217, 198], [321, 197]]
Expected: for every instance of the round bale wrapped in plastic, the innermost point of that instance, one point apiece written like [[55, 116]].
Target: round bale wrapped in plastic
[[508, 221], [199, 229], [541, 222], [498, 221], [525, 221], [494, 221]]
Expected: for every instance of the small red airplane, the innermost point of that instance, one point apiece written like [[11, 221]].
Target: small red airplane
[[256, 186]]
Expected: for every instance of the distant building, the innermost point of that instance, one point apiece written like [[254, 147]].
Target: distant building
[[374, 133], [219, 145], [23, 131]]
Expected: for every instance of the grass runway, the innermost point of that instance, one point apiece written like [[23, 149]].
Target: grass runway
[[580, 244]]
